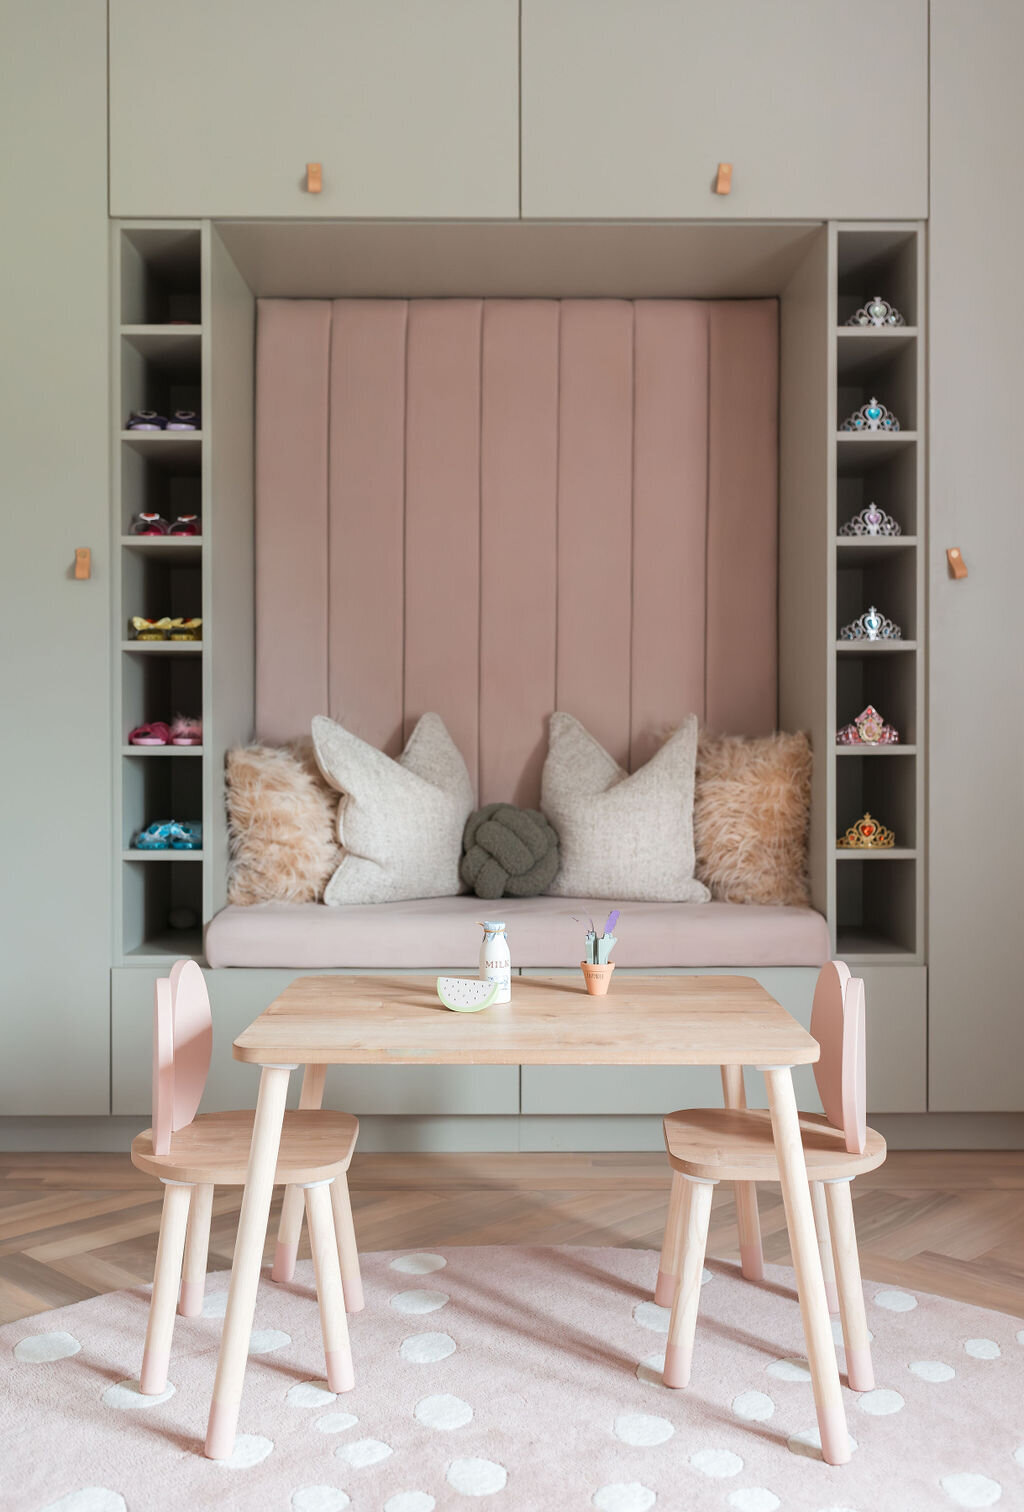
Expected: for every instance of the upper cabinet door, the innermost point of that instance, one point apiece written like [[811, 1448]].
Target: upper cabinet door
[[412, 108], [628, 107]]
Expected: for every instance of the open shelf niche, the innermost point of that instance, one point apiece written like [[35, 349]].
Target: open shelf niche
[[876, 897]]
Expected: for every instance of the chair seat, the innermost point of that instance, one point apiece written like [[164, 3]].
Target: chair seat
[[725, 1144], [214, 1149]]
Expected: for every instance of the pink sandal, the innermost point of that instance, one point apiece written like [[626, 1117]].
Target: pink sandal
[[186, 732], [156, 734]]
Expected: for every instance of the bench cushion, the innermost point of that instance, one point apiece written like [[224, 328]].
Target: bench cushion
[[442, 934]]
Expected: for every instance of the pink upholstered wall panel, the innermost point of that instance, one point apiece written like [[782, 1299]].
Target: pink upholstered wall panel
[[366, 638], [516, 506], [518, 545], [291, 515]]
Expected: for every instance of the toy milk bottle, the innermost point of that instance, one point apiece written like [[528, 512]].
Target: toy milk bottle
[[495, 961]]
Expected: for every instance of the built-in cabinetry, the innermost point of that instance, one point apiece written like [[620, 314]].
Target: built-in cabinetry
[[412, 109], [54, 668], [976, 682], [628, 107]]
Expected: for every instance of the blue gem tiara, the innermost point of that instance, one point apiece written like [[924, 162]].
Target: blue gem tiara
[[878, 312], [872, 416], [872, 625]]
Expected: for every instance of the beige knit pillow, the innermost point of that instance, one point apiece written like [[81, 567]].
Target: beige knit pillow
[[280, 825], [751, 816], [621, 837]]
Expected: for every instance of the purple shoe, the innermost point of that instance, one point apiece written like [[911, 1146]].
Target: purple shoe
[[184, 420], [146, 420]]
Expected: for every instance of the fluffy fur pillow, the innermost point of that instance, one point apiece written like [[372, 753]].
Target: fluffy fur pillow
[[281, 826], [751, 814]]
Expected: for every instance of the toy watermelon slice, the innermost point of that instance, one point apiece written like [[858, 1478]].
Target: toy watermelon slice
[[466, 994]]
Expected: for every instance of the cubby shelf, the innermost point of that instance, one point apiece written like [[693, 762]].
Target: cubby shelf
[[175, 547], [865, 750], [168, 946], [161, 855], [894, 853], [163, 648], [150, 751], [171, 446], [873, 648]]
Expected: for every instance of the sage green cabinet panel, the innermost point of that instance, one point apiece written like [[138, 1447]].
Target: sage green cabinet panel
[[237, 997], [54, 671], [976, 681], [412, 109], [897, 1038], [630, 105]]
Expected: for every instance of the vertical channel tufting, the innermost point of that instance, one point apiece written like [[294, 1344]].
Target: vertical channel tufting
[[742, 570], [442, 518], [519, 454], [367, 507], [594, 518], [292, 360]]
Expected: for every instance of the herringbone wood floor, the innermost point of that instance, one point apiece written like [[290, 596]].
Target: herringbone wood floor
[[72, 1226]]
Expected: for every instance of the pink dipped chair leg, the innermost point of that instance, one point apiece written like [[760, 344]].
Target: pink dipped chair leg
[[348, 1254], [197, 1248], [821, 1228], [671, 1249], [289, 1229], [734, 1094], [860, 1374], [170, 1250], [322, 1238], [695, 1219]]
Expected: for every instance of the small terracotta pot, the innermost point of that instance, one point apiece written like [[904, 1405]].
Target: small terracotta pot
[[597, 978]]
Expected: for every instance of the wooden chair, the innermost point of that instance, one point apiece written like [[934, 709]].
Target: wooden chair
[[708, 1145], [213, 1150]]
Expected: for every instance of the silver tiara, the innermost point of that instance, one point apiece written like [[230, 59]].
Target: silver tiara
[[871, 521], [871, 417], [878, 312], [871, 626]]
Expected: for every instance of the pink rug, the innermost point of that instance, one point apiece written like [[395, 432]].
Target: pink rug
[[523, 1379]]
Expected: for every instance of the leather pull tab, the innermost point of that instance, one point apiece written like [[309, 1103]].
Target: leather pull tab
[[723, 183], [83, 562], [957, 565], [314, 178]]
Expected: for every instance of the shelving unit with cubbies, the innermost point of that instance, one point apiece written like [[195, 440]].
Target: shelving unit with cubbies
[[876, 897]]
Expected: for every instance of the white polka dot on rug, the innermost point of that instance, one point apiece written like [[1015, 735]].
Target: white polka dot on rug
[[650, 1315], [419, 1265], [89, 1499], [932, 1370], [1018, 1455], [419, 1301], [789, 1370], [127, 1397], [214, 1305], [753, 1406], [364, 1452], [320, 1499], [624, 1496], [895, 1301], [335, 1422], [250, 1449], [266, 1340], [651, 1369], [410, 1501], [40, 1349], [310, 1394], [716, 1463], [1020, 1336], [753, 1499], [982, 1349], [880, 1403], [427, 1348], [476, 1477], [970, 1490], [444, 1412], [808, 1443], [642, 1430]]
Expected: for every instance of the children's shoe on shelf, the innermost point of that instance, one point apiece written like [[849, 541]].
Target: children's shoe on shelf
[[156, 836], [188, 835], [147, 524], [151, 630], [155, 734], [186, 629], [185, 731], [146, 420], [186, 525], [183, 420]]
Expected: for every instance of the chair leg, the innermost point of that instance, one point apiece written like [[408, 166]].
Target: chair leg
[[197, 1248], [734, 1095], [821, 1228], [696, 1216], [333, 1324], [348, 1254], [860, 1373], [170, 1249], [671, 1249], [289, 1229]]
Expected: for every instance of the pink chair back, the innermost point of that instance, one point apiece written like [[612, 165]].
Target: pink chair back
[[838, 1024], [182, 1045]]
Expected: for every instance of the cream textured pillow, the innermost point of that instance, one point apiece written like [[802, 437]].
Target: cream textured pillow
[[625, 838], [751, 817], [401, 821], [281, 825]]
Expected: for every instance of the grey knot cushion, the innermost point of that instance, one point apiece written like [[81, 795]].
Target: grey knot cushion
[[508, 852]]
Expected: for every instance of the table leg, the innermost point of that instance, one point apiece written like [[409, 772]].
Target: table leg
[[672, 1245], [289, 1229], [245, 1266], [747, 1220], [796, 1197]]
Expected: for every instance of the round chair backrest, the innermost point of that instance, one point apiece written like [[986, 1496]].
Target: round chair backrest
[[182, 1045], [838, 1024]]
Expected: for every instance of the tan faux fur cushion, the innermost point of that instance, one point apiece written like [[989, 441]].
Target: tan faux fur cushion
[[751, 813], [281, 824]]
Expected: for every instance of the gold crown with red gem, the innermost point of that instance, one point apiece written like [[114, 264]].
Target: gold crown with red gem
[[867, 834]]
